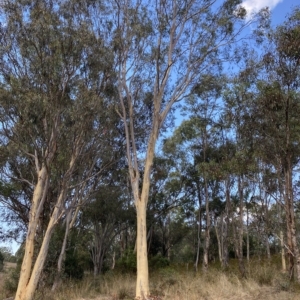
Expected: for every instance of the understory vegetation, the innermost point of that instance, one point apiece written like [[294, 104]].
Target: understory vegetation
[[178, 282]]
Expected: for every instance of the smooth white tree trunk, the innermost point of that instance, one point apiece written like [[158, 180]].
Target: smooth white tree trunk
[[142, 283], [38, 198]]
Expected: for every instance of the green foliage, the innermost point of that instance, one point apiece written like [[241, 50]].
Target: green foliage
[[73, 269], [127, 263], [158, 262], [8, 255]]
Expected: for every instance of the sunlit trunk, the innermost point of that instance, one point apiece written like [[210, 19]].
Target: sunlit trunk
[[141, 200], [283, 261], [142, 286], [28, 292], [28, 284], [34, 214]]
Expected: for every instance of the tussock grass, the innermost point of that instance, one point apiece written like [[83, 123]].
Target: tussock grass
[[264, 281]]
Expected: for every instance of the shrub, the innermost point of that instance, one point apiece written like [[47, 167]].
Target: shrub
[[158, 262], [127, 263], [72, 266]]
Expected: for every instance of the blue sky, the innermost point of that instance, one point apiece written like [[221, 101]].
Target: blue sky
[[279, 8]]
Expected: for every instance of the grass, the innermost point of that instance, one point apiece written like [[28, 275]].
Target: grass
[[264, 281], [8, 267]]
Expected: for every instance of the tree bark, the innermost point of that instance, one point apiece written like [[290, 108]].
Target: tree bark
[[219, 238], [248, 244], [225, 259], [61, 259], [142, 283], [293, 253], [283, 261], [29, 277], [28, 291], [241, 226], [199, 227], [207, 229], [38, 199]]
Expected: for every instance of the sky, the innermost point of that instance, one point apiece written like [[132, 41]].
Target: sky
[[279, 10]]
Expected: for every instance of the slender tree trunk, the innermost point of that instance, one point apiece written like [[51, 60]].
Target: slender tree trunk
[[198, 244], [29, 277], [62, 255], [207, 229], [61, 259], [248, 246], [38, 198], [113, 261], [142, 286], [295, 255], [283, 261], [226, 223], [219, 240], [28, 292], [199, 227], [241, 226], [266, 225], [169, 240], [96, 269], [279, 209], [268, 247]]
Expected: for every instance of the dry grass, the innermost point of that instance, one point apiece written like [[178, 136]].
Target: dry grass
[[7, 267], [264, 282], [171, 284]]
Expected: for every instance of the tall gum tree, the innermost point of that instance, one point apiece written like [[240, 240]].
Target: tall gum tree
[[52, 87], [270, 84], [162, 49]]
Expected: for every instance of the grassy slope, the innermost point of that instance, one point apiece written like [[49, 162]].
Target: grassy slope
[[264, 281]]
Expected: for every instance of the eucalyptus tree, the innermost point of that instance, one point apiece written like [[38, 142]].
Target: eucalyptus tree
[[53, 92], [167, 193], [197, 138], [279, 101], [162, 48], [269, 85], [101, 219]]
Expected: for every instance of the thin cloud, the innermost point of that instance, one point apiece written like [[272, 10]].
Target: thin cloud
[[253, 6]]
